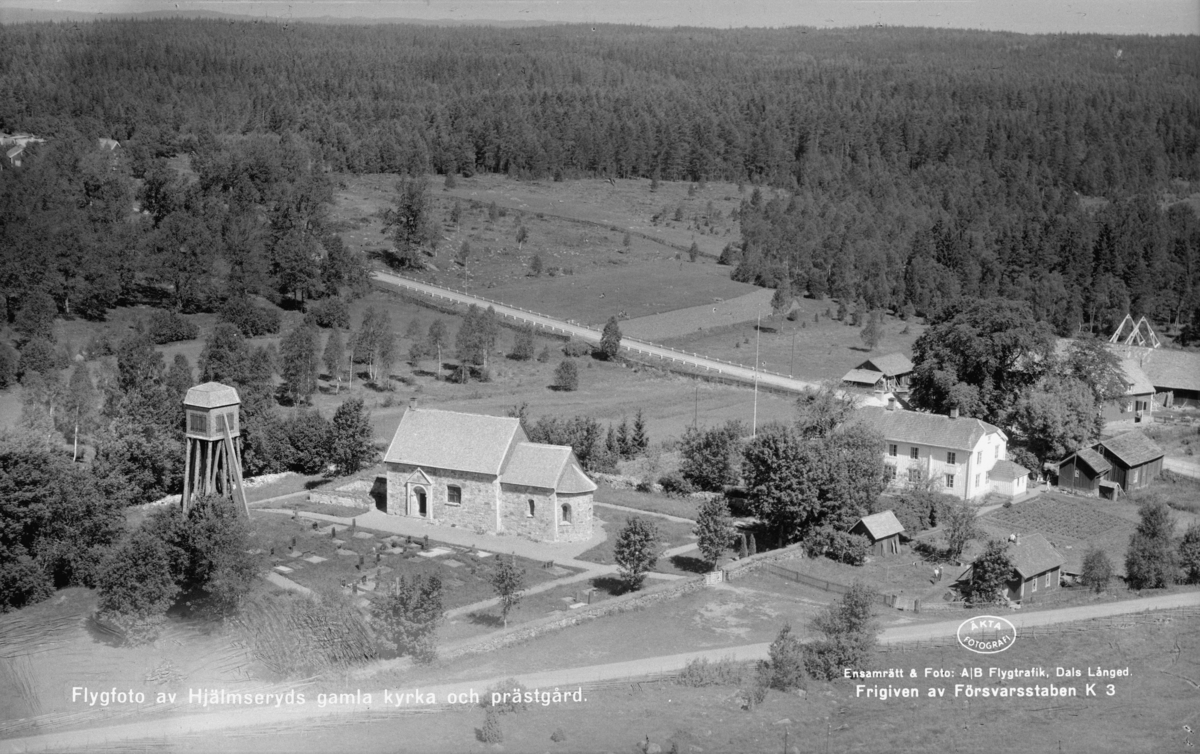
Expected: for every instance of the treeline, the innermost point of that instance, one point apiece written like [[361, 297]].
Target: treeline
[[914, 165], [797, 105], [93, 229]]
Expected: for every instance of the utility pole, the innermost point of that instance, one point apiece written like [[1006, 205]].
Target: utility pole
[[792, 366], [696, 411], [757, 332]]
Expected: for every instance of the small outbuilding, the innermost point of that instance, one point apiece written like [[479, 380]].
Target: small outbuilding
[[1136, 460], [1037, 567], [882, 530], [882, 374], [1008, 478], [1083, 472]]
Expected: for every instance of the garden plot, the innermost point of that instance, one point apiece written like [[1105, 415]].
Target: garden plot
[[1058, 516]]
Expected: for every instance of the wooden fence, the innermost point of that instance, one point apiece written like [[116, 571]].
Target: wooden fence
[[825, 585]]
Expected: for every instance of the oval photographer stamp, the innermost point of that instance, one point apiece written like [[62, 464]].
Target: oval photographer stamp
[[987, 634]]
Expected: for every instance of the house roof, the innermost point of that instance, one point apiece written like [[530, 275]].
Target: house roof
[[452, 440], [1138, 381], [1133, 448], [546, 466], [880, 525], [863, 376], [1007, 471], [211, 395], [1033, 555], [1167, 369], [1091, 458], [919, 428], [891, 364]]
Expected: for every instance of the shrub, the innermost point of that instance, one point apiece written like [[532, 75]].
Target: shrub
[[675, 484], [491, 733], [701, 672], [308, 433], [544, 355], [137, 586], [302, 635], [786, 665], [1150, 561], [566, 376], [849, 631], [328, 313], [575, 348], [506, 697], [251, 320], [23, 583], [1097, 570], [840, 546], [169, 327]]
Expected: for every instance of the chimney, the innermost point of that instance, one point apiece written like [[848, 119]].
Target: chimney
[[954, 413], [412, 402], [891, 403]]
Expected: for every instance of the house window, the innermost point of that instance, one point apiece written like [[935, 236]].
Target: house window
[[1134, 479], [1034, 583], [914, 475], [976, 481], [197, 422], [566, 513], [996, 452], [951, 457], [979, 457], [1047, 580], [453, 495], [1076, 473], [890, 471], [914, 453], [529, 513], [893, 450], [950, 481]]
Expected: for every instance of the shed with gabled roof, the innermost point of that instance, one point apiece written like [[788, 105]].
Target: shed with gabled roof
[[1136, 460], [1083, 471], [883, 530]]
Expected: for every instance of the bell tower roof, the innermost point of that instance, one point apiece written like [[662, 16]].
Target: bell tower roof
[[211, 395]]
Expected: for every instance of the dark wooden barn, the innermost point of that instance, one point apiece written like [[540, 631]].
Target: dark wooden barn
[[1083, 471], [883, 530], [1135, 459]]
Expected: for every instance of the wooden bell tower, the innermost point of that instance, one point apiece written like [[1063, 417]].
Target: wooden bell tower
[[213, 465]]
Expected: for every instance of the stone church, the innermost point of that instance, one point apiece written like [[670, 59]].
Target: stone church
[[482, 473]]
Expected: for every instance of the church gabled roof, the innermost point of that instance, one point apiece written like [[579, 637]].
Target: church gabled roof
[[452, 440], [546, 466]]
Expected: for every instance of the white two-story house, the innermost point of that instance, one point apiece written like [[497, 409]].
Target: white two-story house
[[965, 457]]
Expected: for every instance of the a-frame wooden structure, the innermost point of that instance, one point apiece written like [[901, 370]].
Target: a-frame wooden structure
[[1135, 334]]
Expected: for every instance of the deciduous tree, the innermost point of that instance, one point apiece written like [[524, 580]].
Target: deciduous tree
[[713, 529], [636, 551], [1150, 560], [350, 440], [300, 364], [409, 612], [990, 574], [610, 339], [849, 633], [566, 376], [508, 579]]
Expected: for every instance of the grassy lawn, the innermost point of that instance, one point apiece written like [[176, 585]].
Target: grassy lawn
[[464, 575], [647, 501], [822, 351], [532, 607], [671, 533], [895, 574]]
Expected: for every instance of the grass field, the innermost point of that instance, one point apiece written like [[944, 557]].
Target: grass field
[[805, 349], [1151, 710], [670, 534]]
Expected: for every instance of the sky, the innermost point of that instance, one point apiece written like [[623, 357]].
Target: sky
[[1022, 16]]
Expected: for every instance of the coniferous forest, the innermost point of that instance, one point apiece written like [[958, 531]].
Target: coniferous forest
[[894, 168]]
